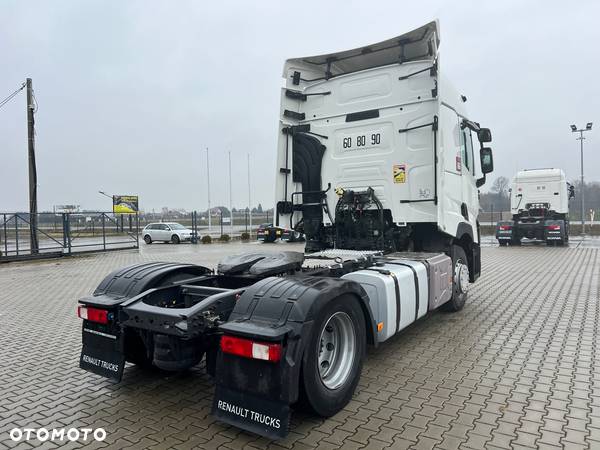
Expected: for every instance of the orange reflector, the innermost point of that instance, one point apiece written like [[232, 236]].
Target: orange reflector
[[380, 326]]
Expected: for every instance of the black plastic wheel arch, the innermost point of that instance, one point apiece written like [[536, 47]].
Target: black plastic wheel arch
[[281, 310]]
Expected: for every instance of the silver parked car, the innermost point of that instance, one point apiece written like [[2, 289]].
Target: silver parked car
[[166, 232]]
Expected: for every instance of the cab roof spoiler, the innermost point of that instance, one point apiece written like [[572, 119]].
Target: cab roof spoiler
[[417, 45]]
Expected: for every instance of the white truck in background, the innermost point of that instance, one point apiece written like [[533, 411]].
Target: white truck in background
[[539, 203], [378, 166]]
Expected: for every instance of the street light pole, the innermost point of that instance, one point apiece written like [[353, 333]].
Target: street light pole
[[109, 196], [249, 195], [208, 190], [574, 129], [230, 196], [581, 139]]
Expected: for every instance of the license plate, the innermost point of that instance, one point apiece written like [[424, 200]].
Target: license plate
[[362, 140], [262, 416], [101, 354]]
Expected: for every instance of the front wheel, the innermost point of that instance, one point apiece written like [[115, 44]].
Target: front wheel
[[460, 280], [148, 239], [175, 239], [333, 359]]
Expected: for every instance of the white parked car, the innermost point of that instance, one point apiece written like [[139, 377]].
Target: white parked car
[[166, 232]]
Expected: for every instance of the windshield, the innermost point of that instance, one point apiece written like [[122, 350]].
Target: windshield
[[176, 226]]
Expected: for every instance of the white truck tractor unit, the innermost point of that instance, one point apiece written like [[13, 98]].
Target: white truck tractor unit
[[539, 203], [377, 167]]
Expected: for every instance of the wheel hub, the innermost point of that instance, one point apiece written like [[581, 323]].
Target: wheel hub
[[461, 277], [336, 350]]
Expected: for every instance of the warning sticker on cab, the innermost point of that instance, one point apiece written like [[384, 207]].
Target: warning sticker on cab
[[400, 173]]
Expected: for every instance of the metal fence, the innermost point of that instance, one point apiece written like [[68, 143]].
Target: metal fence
[[65, 233], [492, 216], [221, 223]]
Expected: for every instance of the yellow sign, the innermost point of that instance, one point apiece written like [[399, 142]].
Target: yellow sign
[[400, 173], [125, 204]]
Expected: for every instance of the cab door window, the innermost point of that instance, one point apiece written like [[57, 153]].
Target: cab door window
[[466, 148]]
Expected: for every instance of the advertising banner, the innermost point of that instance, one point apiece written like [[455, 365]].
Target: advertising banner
[[125, 204]]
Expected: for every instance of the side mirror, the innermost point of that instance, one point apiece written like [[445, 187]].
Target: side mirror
[[487, 160], [571, 192], [484, 135]]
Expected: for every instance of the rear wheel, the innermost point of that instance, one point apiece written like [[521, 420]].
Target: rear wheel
[[147, 239], [333, 359], [460, 280], [175, 239]]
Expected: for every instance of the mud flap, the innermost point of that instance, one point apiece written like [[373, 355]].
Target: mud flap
[[262, 416], [102, 354]]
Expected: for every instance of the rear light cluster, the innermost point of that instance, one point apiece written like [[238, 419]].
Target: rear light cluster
[[251, 349], [505, 227], [93, 314], [553, 227]]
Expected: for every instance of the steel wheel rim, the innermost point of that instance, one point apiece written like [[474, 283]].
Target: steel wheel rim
[[461, 277], [337, 348]]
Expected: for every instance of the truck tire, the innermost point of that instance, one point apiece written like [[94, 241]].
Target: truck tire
[[333, 358], [460, 280], [516, 242]]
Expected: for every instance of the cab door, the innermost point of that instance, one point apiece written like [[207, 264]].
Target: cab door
[[450, 169], [470, 205]]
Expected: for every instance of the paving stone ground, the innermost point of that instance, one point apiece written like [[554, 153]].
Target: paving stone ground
[[517, 368]]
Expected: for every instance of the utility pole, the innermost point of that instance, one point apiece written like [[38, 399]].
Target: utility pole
[[574, 129], [230, 196], [33, 219], [208, 190], [249, 195]]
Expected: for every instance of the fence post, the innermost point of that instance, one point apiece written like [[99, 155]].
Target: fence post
[[65, 231], [137, 229], [493, 214], [17, 232], [221, 211], [104, 231], [5, 236], [69, 231]]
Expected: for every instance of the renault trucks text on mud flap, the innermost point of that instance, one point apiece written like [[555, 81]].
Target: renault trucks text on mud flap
[[377, 167], [539, 203]]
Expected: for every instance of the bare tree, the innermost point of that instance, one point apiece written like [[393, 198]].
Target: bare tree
[[500, 186]]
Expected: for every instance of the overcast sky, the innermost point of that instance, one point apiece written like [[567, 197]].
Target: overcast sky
[[130, 93]]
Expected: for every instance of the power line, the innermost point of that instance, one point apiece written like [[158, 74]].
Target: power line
[[11, 96]]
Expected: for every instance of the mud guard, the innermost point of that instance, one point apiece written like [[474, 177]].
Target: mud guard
[[130, 281], [256, 395]]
